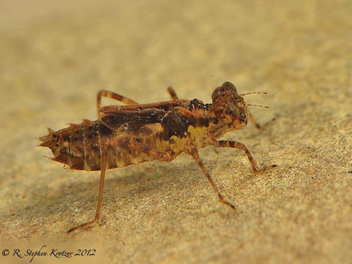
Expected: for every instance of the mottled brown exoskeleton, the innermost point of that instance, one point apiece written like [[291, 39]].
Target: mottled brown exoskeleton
[[136, 133]]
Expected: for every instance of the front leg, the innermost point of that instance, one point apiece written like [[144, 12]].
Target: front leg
[[238, 145], [259, 127]]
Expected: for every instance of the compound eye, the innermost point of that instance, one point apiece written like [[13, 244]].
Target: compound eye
[[231, 110], [227, 114]]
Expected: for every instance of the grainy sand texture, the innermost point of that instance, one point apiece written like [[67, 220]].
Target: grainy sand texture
[[56, 57]]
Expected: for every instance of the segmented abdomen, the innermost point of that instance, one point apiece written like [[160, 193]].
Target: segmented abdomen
[[80, 146]]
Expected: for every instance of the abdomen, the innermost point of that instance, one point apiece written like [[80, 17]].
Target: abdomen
[[80, 147]]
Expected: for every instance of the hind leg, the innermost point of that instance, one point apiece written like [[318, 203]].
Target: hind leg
[[112, 95]]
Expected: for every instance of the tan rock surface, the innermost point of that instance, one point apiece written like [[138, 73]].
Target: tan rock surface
[[54, 60]]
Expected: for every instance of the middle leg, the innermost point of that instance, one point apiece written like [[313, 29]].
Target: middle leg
[[172, 93], [194, 153]]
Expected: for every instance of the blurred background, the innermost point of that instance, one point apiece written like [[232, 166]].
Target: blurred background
[[56, 56]]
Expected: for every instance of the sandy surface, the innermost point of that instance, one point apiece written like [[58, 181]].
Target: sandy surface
[[54, 60]]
